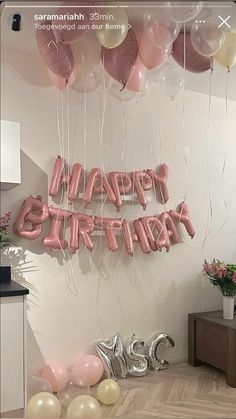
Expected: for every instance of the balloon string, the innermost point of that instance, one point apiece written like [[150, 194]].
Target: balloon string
[[101, 272], [68, 174], [184, 48], [226, 146], [62, 124], [68, 141], [183, 122], [66, 253], [58, 126], [60, 129], [85, 137], [227, 215], [175, 147], [124, 125], [210, 208], [226, 119], [132, 208]]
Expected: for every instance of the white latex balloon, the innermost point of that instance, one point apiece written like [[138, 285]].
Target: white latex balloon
[[159, 29], [70, 392], [183, 11], [207, 39], [105, 80], [87, 82], [120, 93], [44, 405], [84, 407], [143, 92], [172, 81], [38, 385], [86, 53]]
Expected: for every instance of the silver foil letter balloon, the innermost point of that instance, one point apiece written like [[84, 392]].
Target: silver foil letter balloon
[[113, 355], [157, 340], [138, 362]]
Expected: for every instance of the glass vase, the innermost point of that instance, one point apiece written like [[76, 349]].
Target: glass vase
[[228, 308]]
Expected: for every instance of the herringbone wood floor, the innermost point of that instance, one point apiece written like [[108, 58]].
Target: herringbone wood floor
[[180, 392]]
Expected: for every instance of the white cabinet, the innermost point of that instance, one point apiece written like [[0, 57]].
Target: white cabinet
[[10, 155], [12, 352]]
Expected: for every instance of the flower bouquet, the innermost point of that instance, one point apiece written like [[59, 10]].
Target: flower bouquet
[[223, 276], [5, 241]]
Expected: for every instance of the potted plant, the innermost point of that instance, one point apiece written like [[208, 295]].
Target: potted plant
[[223, 276], [5, 241]]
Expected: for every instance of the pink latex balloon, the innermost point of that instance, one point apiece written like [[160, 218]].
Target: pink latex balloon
[[57, 176], [128, 240], [119, 61], [27, 214], [142, 182], [160, 180], [162, 240], [75, 178], [81, 227], [121, 183], [167, 221], [142, 237], [109, 224], [78, 28], [58, 216], [57, 56], [152, 56], [182, 216], [193, 61], [61, 82], [137, 76], [56, 374], [90, 367], [91, 188]]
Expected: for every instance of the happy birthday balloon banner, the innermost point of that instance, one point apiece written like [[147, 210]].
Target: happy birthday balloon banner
[[151, 232]]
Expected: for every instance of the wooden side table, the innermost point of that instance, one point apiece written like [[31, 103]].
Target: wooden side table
[[212, 340]]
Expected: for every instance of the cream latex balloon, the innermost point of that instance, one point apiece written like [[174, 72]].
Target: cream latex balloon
[[44, 405], [226, 56], [112, 31], [84, 407], [108, 391]]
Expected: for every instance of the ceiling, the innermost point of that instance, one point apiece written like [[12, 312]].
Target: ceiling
[[25, 40]]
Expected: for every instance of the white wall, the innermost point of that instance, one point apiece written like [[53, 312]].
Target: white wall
[[148, 293]]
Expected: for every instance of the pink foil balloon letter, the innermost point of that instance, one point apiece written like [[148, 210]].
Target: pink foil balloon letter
[[77, 171], [167, 221], [81, 227], [109, 224], [57, 176], [27, 214], [53, 241], [121, 184], [91, 187], [142, 182], [142, 237], [160, 180], [162, 239], [127, 235], [182, 216]]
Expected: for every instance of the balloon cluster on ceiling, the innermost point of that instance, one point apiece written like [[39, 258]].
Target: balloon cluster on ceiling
[[120, 56]]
